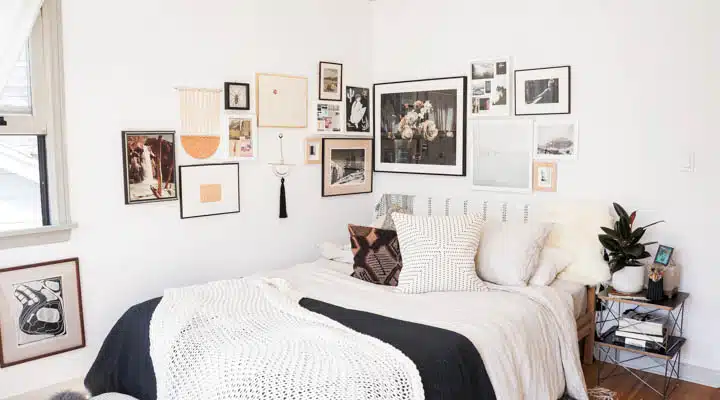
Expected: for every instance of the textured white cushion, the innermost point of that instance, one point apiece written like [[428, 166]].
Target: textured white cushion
[[438, 253], [509, 252], [552, 262], [337, 252]]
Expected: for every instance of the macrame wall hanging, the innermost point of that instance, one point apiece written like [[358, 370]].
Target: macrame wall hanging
[[200, 127], [282, 170]]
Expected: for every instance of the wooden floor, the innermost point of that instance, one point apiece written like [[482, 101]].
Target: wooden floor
[[630, 388]]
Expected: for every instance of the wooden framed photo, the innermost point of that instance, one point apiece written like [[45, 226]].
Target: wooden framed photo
[[330, 81], [149, 166], [555, 140], [41, 313], [209, 189], [282, 101], [242, 137], [313, 151], [663, 255], [237, 96], [544, 176], [357, 109], [542, 91], [346, 166], [420, 126], [328, 116]]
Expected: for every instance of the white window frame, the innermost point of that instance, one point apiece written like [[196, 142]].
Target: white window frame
[[48, 117]]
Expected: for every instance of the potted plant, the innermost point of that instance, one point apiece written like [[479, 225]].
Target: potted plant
[[623, 249]]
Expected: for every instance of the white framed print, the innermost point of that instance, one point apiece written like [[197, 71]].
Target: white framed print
[[490, 89], [502, 155], [542, 91], [328, 116], [555, 140], [242, 136], [209, 189]]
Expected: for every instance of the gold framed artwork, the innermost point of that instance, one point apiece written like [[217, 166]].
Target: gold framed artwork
[[313, 151], [42, 312], [282, 101], [544, 176], [347, 166]]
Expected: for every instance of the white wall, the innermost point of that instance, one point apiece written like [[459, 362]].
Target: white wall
[[644, 92], [122, 60]]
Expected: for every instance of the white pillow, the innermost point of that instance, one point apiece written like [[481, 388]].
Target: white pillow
[[336, 252], [509, 252], [552, 262], [438, 253]]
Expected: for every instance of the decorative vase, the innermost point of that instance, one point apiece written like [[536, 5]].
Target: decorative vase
[[655, 290], [629, 279]]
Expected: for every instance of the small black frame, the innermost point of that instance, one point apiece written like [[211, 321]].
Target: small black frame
[[237, 166], [657, 254], [322, 169], [340, 81], [227, 95]]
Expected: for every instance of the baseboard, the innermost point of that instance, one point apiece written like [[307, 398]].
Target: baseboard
[[47, 392], [688, 372]]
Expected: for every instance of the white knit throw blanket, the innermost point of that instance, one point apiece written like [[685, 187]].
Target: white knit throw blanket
[[249, 339]]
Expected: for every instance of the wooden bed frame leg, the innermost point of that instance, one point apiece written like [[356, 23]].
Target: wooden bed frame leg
[[590, 338]]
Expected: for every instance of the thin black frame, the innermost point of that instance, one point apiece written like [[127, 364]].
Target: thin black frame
[[76, 260], [369, 111], [237, 171], [672, 250], [464, 130], [322, 169], [515, 88], [227, 95], [125, 169], [340, 81]]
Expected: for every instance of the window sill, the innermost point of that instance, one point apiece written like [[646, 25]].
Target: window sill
[[36, 236]]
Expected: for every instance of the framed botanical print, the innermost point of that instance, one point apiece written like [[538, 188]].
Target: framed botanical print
[[346, 166], [282, 101], [41, 313], [542, 91], [242, 137], [544, 176], [149, 166], [420, 126], [357, 109], [237, 96], [330, 81], [209, 189]]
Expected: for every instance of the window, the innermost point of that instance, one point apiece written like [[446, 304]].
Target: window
[[32, 166]]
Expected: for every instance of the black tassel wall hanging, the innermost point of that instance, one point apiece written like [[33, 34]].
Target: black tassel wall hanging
[[282, 170]]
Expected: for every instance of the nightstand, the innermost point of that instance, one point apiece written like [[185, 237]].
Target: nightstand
[[667, 357]]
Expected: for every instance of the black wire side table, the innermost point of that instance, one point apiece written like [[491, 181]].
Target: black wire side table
[[665, 357]]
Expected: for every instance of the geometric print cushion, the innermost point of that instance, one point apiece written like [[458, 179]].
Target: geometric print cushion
[[438, 253], [377, 255]]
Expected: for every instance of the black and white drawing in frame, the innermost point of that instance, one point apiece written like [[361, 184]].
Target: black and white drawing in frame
[[542, 91], [149, 166], [237, 96], [44, 311], [330, 81], [420, 126], [489, 87], [556, 140], [357, 108]]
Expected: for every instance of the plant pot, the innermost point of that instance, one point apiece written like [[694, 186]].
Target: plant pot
[[655, 290], [629, 279]]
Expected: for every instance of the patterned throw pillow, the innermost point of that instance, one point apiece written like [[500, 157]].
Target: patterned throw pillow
[[377, 254], [438, 253]]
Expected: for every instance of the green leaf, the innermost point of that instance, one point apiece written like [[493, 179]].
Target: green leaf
[[645, 254], [654, 223], [623, 228], [621, 211], [609, 243], [635, 251], [636, 235], [612, 233]]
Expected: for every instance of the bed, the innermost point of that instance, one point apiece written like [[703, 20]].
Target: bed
[[584, 311]]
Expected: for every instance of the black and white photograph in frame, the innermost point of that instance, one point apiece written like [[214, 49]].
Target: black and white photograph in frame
[[502, 155], [346, 166], [542, 91], [357, 108], [44, 313], [330, 81], [237, 96], [556, 140], [419, 126], [490, 87], [149, 166]]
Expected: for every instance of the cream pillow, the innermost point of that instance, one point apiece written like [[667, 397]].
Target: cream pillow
[[508, 253], [438, 253], [552, 262]]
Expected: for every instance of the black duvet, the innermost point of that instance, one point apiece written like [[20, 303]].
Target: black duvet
[[449, 364]]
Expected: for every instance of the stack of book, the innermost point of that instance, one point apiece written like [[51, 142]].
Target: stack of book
[[645, 330]]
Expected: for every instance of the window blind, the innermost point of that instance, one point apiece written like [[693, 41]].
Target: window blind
[[15, 97]]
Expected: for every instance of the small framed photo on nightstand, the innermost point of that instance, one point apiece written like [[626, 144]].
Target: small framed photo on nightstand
[[663, 255]]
